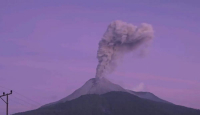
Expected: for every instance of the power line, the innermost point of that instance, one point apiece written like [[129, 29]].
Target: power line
[[25, 101], [6, 100], [19, 103], [27, 98], [11, 98], [22, 95], [20, 99]]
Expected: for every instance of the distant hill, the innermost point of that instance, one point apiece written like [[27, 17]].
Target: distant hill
[[112, 103]]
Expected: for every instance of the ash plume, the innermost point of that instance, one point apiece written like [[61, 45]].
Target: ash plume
[[121, 38]]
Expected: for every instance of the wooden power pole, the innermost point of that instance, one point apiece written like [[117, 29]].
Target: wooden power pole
[[6, 100]]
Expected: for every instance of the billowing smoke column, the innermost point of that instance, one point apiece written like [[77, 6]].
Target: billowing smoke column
[[119, 39]]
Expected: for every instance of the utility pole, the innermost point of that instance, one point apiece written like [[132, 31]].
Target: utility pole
[[6, 100]]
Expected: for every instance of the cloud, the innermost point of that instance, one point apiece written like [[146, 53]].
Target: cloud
[[142, 76], [140, 87]]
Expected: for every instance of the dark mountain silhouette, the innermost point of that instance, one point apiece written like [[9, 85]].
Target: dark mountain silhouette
[[102, 86], [99, 96], [148, 95], [112, 103]]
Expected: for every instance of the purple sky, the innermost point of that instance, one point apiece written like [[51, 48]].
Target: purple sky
[[48, 49]]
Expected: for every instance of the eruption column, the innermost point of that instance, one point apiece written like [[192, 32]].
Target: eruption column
[[120, 38]]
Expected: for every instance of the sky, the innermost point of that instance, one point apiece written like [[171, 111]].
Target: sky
[[48, 49]]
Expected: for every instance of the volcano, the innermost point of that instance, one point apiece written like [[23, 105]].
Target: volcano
[[99, 96], [102, 86]]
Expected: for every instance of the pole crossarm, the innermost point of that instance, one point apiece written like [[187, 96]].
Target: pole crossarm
[[2, 95], [3, 100], [6, 100]]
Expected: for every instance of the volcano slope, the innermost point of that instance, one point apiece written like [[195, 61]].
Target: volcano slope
[[112, 103], [102, 86]]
